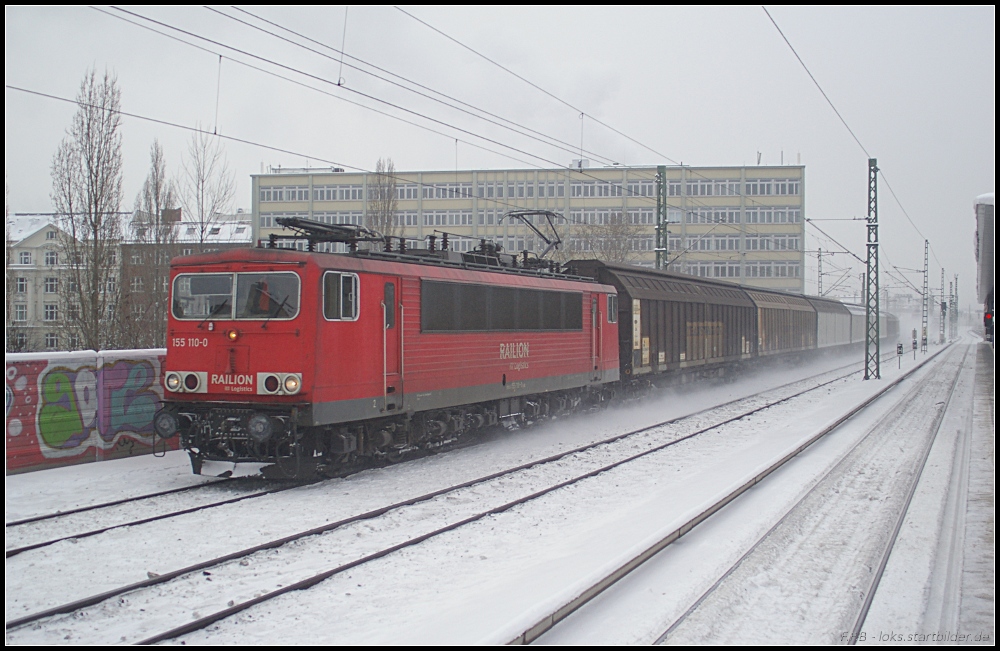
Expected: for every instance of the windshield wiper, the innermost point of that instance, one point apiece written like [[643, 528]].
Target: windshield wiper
[[281, 306], [214, 312]]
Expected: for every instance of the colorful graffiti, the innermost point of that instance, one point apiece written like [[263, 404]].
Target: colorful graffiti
[[77, 407]]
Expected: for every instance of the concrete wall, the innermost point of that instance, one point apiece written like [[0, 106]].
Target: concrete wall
[[67, 408]]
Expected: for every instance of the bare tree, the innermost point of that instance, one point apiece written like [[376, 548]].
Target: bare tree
[[612, 238], [87, 195], [382, 200], [146, 257], [208, 185]]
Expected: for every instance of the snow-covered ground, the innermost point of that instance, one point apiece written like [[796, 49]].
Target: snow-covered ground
[[482, 583]]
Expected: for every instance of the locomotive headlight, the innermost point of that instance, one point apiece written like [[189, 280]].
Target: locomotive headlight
[[292, 384], [192, 381], [172, 381], [260, 428], [232, 335], [165, 424], [271, 384]]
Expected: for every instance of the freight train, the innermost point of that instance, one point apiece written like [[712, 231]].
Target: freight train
[[317, 362]]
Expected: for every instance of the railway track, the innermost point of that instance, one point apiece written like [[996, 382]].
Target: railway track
[[72, 524], [41, 531], [851, 545], [105, 505], [856, 494], [214, 578]]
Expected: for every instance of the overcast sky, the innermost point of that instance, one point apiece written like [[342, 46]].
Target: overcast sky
[[702, 86]]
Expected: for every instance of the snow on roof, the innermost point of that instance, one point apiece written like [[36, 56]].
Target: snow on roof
[[240, 231], [20, 227], [985, 198]]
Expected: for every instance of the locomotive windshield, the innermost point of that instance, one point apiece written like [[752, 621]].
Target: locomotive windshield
[[236, 296]]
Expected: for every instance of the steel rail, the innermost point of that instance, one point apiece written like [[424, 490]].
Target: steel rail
[[168, 576], [546, 622], [829, 473]]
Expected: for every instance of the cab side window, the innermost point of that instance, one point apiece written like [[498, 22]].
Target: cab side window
[[340, 296], [390, 305]]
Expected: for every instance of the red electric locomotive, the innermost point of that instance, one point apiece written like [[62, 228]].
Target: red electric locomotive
[[313, 362]]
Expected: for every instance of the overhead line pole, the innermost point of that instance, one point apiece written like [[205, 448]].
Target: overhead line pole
[[872, 339], [944, 310], [661, 217], [926, 303], [954, 310]]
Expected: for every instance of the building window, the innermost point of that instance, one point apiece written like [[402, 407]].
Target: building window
[[51, 312], [408, 192], [73, 312], [51, 340], [290, 193], [74, 342], [50, 235], [24, 257], [786, 186], [764, 187], [22, 286], [136, 284], [51, 258], [20, 312], [641, 189], [51, 285]]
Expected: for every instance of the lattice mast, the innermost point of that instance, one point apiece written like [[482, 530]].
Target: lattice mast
[[819, 273], [661, 218], [954, 310], [925, 314], [944, 310], [872, 339]]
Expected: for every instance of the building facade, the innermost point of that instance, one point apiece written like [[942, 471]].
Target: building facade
[[35, 305], [42, 307], [742, 224]]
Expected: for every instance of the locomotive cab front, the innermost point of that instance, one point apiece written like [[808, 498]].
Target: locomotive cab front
[[235, 376]]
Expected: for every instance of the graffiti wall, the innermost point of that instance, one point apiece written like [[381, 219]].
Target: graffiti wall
[[65, 408]]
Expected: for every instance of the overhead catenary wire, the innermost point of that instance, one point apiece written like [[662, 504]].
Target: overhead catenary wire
[[389, 72], [243, 141], [555, 164], [563, 144], [307, 86], [327, 81], [536, 86], [623, 188], [846, 126], [546, 92]]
